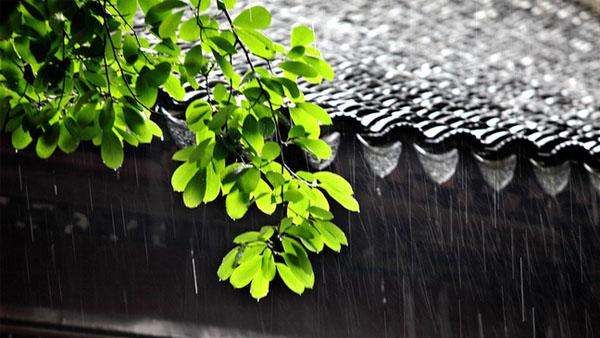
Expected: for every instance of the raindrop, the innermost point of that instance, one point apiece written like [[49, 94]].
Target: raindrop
[[90, 193], [27, 196], [522, 291], [137, 180], [533, 320], [20, 179], [194, 272], [31, 228], [112, 217], [480, 325]]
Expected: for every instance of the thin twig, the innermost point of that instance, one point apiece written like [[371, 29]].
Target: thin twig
[[134, 96], [131, 28]]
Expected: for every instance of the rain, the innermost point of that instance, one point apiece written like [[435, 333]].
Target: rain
[[476, 169]]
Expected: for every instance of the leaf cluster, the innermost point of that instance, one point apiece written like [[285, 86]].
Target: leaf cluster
[[75, 70]]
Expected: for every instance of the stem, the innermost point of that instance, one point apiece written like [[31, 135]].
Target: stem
[[275, 120], [134, 96], [129, 26]]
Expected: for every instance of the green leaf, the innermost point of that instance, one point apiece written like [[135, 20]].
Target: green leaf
[[236, 204], [248, 180], [257, 43], [227, 264], [338, 188], [223, 44], [251, 250], [111, 150], [168, 27], [291, 86], [228, 70], [296, 52], [270, 151], [66, 141], [296, 132], [268, 265], [189, 30], [259, 287], [266, 232], [194, 191], [262, 193], [161, 10], [248, 236], [184, 154], [159, 74], [320, 213], [275, 178], [127, 7], [292, 195], [34, 10], [243, 274], [106, 119], [325, 69], [130, 49], [213, 185], [302, 36], [298, 68], [256, 17], [196, 113], [96, 79], [173, 87], [289, 278], [308, 235], [304, 119], [201, 5], [182, 176], [228, 4], [20, 138], [334, 230], [319, 148], [297, 260], [145, 5], [252, 135], [316, 112], [46, 144], [328, 238], [146, 92], [194, 61], [220, 118]]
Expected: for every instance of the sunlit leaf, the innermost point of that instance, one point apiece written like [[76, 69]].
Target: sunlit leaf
[[236, 204], [289, 278], [182, 176], [256, 17], [227, 264], [302, 36], [243, 274], [20, 138], [111, 150], [299, 68]]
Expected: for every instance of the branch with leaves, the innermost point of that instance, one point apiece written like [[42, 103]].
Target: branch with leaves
[[96, 79]]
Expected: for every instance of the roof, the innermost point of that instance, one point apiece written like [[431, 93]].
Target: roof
[[500, 78]]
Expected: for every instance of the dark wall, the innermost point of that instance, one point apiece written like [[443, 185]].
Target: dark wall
[[425, 260]]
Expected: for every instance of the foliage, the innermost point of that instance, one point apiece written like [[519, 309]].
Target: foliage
[[75, 71]]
